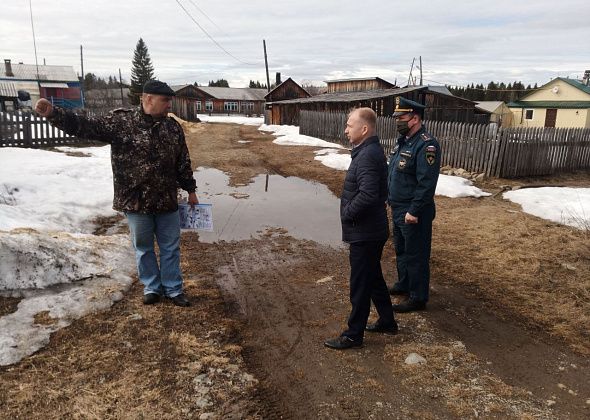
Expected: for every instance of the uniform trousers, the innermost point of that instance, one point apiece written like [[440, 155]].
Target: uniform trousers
[[412, 251]]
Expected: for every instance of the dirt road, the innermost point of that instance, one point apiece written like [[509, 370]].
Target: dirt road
[[505, 335]]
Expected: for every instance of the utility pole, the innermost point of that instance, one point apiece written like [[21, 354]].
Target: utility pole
[[411, 68], [420, 70], [121, 87], [82, 84], [266, 65]]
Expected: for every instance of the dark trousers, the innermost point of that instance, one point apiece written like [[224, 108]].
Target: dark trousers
[[412, 251], [367, 284]]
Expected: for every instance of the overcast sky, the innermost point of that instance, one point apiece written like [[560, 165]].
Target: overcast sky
[[311, 41]]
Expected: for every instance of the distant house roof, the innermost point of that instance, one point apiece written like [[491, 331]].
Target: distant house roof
[[48, 73], [576, 84], [367, 95], [236, 94], [550, 104], [8, 90], [289, 81], [358, 79], [489, 106]]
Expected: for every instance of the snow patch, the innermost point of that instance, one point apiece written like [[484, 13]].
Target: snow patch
[[564, 205], [235, 119], [288, 135]]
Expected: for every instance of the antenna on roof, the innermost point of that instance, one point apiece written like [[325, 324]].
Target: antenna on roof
[[411, 68], [34, 41]]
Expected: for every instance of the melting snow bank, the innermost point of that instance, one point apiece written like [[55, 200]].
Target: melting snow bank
[[60, 276], [565, 205], [46, 190], [457, 187], [288, 135], [34, 260]]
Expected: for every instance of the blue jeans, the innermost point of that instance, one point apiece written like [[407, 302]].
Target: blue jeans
[[165, 279]]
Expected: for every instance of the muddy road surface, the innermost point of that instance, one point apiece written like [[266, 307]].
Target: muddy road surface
[[505, 334]]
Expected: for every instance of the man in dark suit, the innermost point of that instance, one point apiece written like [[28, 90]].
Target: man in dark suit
[[365, 227]]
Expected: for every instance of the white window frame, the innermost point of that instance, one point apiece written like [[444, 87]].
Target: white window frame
[[209, 106], [532, 114], [198, 105], [230, 106], [247, 107]]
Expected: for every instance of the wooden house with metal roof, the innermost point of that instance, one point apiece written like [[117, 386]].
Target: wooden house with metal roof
[[286, 90], [441, 105], [562, 102], [358, 84], [59, 84]]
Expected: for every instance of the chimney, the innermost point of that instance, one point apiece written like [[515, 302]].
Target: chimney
[[278, 78], [586, 79], [8, 66]]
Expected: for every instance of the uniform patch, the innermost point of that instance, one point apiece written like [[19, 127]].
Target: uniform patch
[[407, 154], [430, 157], [431, 148], [402, 163], [425, 137]]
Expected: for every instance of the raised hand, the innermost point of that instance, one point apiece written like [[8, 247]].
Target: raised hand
[[43, 107]]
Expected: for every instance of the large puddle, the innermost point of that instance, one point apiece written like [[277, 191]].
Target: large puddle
[[307, 210]]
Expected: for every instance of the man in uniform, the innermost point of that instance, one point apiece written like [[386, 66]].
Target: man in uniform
[[363, 214], [414, 166], [150, 160]]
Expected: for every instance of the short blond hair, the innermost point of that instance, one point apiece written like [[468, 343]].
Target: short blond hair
[[367, 115]]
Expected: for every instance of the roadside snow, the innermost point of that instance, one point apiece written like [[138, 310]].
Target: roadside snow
[[53, 191], [457, 187], [48, 256], [568, 206], [288, 135], [235, 119]]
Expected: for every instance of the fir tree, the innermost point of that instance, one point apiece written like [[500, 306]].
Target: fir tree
[[219, 83], [141, 71]]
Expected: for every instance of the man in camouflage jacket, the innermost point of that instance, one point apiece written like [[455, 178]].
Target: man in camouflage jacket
[[150, 160]]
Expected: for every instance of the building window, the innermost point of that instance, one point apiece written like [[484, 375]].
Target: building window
[[209, 106], [198, 105], [247, 107], [528, 114], [230, 106]]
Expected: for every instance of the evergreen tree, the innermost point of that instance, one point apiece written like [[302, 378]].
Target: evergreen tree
[[219, 83], [142, 70]]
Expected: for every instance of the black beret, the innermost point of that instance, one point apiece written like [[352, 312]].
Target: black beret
[[155, 87]]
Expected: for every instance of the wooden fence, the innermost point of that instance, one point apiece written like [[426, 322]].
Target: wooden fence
[[18, 129], [497, 152]]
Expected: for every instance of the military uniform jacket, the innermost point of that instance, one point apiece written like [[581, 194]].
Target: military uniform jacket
[[149, 157], [363, 211], [414, 166]]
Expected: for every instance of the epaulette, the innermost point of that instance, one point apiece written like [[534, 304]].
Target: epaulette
[[425, 137], [121, 110]]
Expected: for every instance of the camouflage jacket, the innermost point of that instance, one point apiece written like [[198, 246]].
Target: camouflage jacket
[[149, 157]]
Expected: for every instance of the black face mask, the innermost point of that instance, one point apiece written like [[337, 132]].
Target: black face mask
[[402, 127]]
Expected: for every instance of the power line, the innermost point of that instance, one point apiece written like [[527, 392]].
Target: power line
[[211, 38], [203, 13]]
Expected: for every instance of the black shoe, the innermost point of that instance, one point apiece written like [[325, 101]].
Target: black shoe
[[377, 328], [342, 343], [151, 298], [396, 290], [410, 306], [180, 300]]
